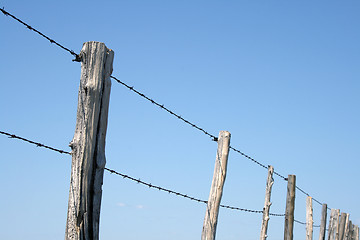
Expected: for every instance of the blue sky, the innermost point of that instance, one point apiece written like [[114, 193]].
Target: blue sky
[[282, 77]]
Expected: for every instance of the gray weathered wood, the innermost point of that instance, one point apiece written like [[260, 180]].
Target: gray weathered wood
[[323, 222], [342, 226], [347, 227], [309, 219], [290, 208], [331, 231], [212, 208], [350, 230], [356, 232], [334, 225], [267, 204], [88, 144]]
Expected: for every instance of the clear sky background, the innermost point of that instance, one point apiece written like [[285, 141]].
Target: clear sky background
[[281, 76]]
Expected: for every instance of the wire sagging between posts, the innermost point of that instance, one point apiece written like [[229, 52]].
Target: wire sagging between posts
[[137, 180]]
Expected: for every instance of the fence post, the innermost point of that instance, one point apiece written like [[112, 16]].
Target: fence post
[[290, 208], [331, 225], [342, 226], [356, 232], [88, 144], [334, 225], [212, 208], [323, 222], [337, 223], [347, 227], [350, 232], [309, 219], [267, 204]]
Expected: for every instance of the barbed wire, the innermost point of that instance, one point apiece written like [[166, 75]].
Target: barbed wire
[[77, 58], [165, 108], [303, 223], [204, 131], [35, 143], [183, 195], [297, 221], [213, 137], [307, 194], [136, 180], [191, 124], [257, 162]]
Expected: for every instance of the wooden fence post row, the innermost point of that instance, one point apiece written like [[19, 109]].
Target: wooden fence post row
[[267, 204], [88, 144], [212, 208], [88, 162]]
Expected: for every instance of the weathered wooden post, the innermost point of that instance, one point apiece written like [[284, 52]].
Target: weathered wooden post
[[309, 219], [88, 144], [290, 208], [334, 225], [331, 230], [267, 204], [212, 208], [346, 230], [356, 232], [323, 222], [343, 220], [350, 231]]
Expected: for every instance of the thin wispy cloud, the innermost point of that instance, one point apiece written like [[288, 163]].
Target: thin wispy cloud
[[121, 204]]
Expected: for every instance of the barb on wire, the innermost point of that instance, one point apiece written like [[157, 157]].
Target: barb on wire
[[35, 143], [77, 58]]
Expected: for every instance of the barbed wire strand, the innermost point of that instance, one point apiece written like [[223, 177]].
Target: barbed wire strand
[[190, 123], [134, 179], [165, 108], [303, 223], [35, 143], [214, 138], [307, 194], [183, 195], [6, 13]]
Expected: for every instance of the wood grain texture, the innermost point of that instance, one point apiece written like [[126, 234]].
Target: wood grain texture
[[356, 232], [323, 222], [88, 144], [309, 219], [212, 209], [342, 226], [334, 225], [267, 204], [290, 208]]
